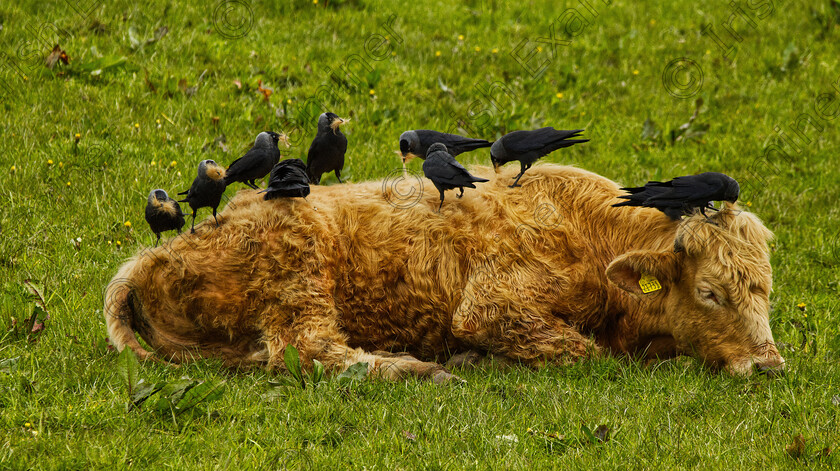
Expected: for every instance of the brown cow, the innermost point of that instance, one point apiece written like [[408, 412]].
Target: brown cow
[[548, 272]]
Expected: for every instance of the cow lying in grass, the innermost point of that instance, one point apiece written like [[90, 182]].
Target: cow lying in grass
[[546, 273]]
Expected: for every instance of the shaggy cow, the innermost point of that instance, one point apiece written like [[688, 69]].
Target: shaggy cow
[[549, 272]]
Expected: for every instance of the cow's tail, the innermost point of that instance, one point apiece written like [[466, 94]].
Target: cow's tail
[[121, 311]]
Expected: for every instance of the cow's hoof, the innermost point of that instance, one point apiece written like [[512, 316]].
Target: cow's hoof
[[444, 377]]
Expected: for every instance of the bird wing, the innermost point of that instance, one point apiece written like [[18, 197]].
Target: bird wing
[[455, 143], [690, 188], [444, 168], [539, 139]]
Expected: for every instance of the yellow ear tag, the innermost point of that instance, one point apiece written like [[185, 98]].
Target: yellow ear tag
[[649, 283]]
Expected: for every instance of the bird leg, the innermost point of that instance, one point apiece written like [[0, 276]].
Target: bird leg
[[441, 202], [158, 239], [516, 182], [462, 192], [252, 184], [214, 217], [192, 229], [338, 176]]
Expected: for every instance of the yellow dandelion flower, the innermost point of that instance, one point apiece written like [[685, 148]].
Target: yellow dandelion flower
[[13, 168], [652, 22], [27, 424], [495, 50], [179, 174], [127, 224], [801, 306], [173, 163], [68, 183], [477, 49], [136, 125], [157, 121], [559, 95], [61, 165], [314, 2], [635, 72], [153, 163], [289, 101], [539, 48], [372, 91], [749, 204], [708, 51], [437, 53], [460, 37], [49, 162], [119, 243], [77, 136]]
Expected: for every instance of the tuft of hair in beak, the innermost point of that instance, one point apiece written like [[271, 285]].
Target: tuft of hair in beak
[[285, 139], [338, 122], [215, 172]]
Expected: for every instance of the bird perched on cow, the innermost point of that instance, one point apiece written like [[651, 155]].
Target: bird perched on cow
[[682, 195], [529, 146], [288, 180], [206, 190], [447, 173], [258, 161], [416, 143], [326, 154], [163, 213]]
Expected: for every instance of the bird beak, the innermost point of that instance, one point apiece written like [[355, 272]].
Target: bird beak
[[408, 156], [496, 167]]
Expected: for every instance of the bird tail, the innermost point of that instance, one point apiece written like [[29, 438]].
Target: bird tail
[[477, 144], [629, 202]]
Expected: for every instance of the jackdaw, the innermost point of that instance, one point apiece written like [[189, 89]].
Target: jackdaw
[[258, 161], [288, 180], [682, 195], [446, 173], [416, 143], [206, 190], [326, 154], [528, 146], [163, 214]]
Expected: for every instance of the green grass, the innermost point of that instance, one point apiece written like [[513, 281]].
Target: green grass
[[672, 415]]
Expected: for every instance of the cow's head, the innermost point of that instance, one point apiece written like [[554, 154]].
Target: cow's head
[[715, 288]]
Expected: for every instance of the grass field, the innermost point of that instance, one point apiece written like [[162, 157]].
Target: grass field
[[151, 88]]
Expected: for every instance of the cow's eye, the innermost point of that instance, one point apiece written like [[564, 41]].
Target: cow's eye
[[709, 295]]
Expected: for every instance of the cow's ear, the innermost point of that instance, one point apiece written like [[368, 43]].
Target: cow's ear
[[626, 270]]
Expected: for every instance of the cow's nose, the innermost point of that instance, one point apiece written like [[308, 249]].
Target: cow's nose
[[776, 371]]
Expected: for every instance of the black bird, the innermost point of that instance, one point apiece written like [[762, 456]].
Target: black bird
[[206, 190], [528, 146], [446, 173], [258, 161], [326, 154], [683, 194], [416, 143], [163, 214], [288, 180]]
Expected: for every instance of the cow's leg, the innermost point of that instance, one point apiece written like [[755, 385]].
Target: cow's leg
[[316, 336], [511, 321]]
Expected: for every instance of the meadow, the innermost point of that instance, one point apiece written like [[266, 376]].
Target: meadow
[[136, 95]]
